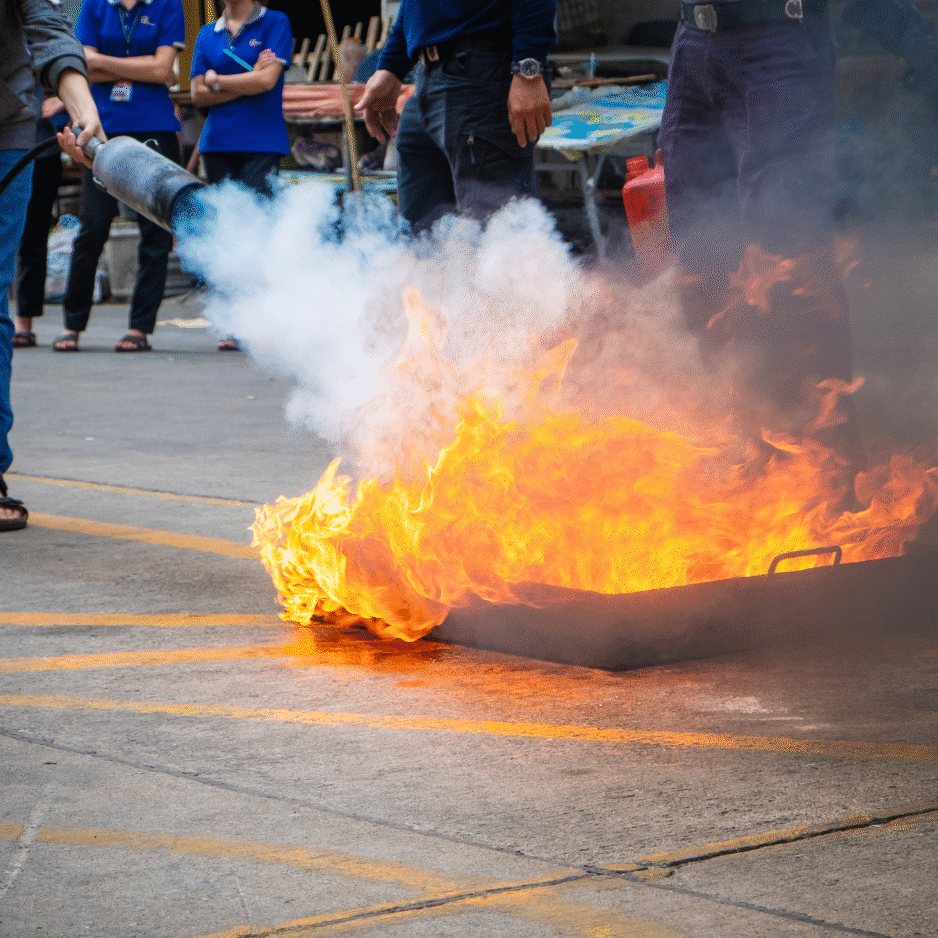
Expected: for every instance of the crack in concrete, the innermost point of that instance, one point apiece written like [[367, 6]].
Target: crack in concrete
[[764, 910], [284, 799], [418, 905], [642, 872], [23, 845], [775, 838]]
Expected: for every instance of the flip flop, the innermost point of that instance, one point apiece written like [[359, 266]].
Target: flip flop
[[24, 339], [11, 524], [67, 343], [133, 343]]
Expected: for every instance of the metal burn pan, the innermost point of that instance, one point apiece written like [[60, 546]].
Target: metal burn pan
[[867, 599]]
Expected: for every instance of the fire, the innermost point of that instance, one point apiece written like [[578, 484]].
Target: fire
[[548, 494]]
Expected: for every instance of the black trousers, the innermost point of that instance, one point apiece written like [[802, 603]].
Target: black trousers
[[33, 251], [98, 210], [251, 169], [455, 147]]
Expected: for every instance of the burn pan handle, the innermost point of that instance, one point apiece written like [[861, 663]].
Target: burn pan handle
[[812, 552]]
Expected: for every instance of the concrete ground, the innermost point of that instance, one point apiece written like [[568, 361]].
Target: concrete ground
[[176, 761]]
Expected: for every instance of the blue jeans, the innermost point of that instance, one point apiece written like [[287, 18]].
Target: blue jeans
[[455, 147], [13, 204], [747, 138]]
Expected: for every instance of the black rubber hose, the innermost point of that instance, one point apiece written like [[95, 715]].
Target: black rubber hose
[[24, 159]]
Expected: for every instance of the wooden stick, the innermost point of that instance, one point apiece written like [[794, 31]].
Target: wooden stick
[[352, 173], [315, 57], [385, 32], [300, 59], [371, 37], [599, 82]]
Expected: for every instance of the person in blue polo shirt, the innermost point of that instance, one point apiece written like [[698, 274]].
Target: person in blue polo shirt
[[130, 47], [237, 73], [467, 135]]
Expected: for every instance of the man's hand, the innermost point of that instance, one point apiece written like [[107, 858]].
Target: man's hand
[[379, 104], [528, 108], [76, 96]]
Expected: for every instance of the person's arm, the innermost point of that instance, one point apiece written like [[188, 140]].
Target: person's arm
[[212, 88], [379, 101], [394, 57], [154, 69], [528, 99], [51, 42], [75, 93], [205, 96], [379, 104]]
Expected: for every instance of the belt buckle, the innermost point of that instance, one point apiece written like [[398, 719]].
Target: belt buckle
[[794, 9], [705, 16], [431, 53]]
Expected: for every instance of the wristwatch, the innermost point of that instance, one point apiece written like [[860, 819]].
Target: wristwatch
[[527, 68]]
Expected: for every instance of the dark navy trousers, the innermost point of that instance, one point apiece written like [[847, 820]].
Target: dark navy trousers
[[747, 138], [98, 210], [455, 147]]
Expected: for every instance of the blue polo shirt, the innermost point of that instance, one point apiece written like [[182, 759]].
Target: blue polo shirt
[[419, 23], [107, 26], [251, 123]]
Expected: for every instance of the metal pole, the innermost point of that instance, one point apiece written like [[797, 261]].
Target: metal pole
[[353, 178]]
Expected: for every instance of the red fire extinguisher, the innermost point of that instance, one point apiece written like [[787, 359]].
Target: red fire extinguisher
[[643, 195]]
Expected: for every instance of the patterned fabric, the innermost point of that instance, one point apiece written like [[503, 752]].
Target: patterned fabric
[[606, 118]]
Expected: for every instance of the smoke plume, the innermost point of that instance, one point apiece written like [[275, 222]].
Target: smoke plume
[[385, 335]]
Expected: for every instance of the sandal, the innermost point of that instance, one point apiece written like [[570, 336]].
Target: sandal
[[67, 343], [11, 524], [24, 340], [133, 343], [229, 345]]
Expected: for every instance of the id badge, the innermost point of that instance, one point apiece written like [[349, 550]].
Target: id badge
[[122, 91]]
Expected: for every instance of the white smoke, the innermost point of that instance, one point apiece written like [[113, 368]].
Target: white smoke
[[331, 312]]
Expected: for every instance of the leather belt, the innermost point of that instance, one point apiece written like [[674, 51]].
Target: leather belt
[[731, 15], [491, 40]]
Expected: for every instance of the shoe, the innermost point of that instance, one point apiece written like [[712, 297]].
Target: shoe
[[24, 340], [14, 504], [133, 343], [68, 343]]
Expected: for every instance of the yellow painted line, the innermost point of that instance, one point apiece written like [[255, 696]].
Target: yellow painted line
[[213, 848], [582, 734], [393, 913], [784, 836], [124, 490], [168, 620], [123, 532], [136, 659]]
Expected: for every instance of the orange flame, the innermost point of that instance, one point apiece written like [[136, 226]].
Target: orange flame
[[610, 505]]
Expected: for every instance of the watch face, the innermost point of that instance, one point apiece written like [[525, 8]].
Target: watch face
[[529, 68]]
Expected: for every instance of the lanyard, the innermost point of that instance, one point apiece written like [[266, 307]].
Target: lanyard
[[129, 31]]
